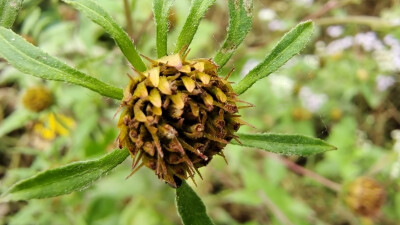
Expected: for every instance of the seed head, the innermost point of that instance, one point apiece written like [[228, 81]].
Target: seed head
[[176, 116], [365, 196], [37, 99]]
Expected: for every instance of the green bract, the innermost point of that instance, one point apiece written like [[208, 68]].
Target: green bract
[[63, 180], [284, 144], [240, 13], [197, 11], [291, 44], [161, 11], [101, 17], [30, 59], [76, 176]]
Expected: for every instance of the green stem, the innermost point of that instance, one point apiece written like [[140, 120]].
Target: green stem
[[371, 21], [128, 18]]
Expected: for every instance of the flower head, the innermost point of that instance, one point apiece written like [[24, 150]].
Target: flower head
[[37, 99], [365, 196], [177, 115]]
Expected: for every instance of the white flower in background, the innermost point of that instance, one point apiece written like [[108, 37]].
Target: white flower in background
[[339, 45], [388, 59], [384, 82], [320, 47], [391, 41], [276, 25], [396, 61], [334, 31], [385, 59], [395, 21], [312, 61], [266, 14], [368, 41], [248, 66], [281, 85], [310, 100]]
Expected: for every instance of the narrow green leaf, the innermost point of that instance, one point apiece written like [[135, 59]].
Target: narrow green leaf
[[92, 10], [30, 59], [291, 44], [16, 120], [161, 13], [190, 207], [9, 12], [290, 144], [197, 11], [64, 180], [240, 13]]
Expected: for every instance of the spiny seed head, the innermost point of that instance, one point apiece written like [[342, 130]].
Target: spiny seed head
[[176, 116], [365, 196], [37, 99]]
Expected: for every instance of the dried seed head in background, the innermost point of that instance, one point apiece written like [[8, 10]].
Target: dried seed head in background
[[176, 116], [365, 196], [37, 99]]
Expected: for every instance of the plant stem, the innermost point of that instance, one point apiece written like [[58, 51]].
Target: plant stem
[[280, 216], [305, 172], [327, 7], [143, 28], [374, 22], [128, 17], [323, 10]]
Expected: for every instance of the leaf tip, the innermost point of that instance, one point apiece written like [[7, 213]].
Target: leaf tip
[[332, 147]]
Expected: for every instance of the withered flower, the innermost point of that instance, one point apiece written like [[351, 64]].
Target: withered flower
[[176, 116], [365, 196], [37, 99]]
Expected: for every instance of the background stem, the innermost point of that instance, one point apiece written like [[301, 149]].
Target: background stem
[[128, 18]]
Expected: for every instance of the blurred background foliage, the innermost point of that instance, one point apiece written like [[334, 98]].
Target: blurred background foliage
[[343, 88]]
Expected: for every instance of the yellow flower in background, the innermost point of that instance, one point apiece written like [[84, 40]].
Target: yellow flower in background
[[52, 125]]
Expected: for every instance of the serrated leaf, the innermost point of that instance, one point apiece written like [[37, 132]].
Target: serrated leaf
[[161, 12], [64, 180], [32, 60], [9, 12], [98, 15], [285, 144], [291, 44], [190, 207], [196, 13], [240, 14], [16, 120]]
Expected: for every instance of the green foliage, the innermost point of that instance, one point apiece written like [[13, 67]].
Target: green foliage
[[101, 17], [30, 59], [161, 12], [110, 203], [196, 13], [291, 44], [9, 11], [64, 180], [240, 20], [190, 207], [16, 120], [286, 144]]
